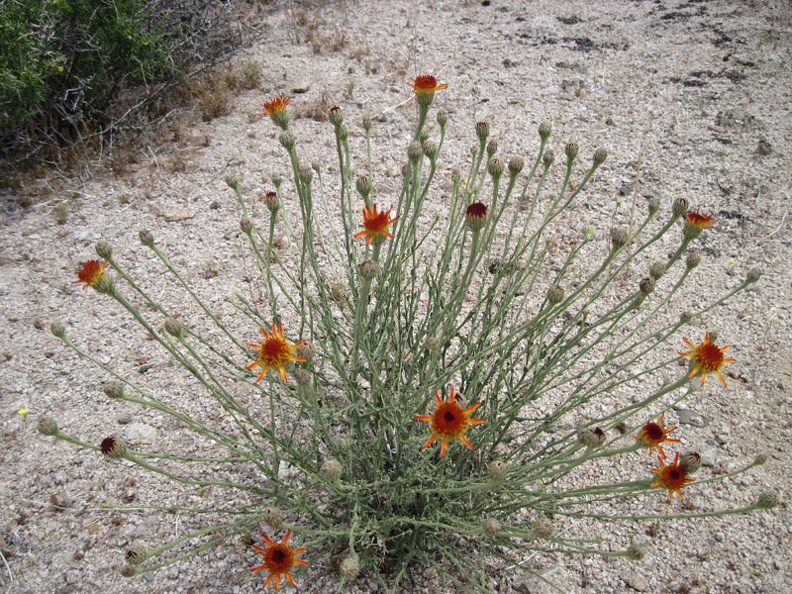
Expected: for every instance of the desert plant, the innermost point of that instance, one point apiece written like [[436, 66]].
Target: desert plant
[[406, 402]]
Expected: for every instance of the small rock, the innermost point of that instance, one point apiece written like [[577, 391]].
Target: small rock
[[178, 214], [141, 433], [302, 87], [636, 581], [125, 418]]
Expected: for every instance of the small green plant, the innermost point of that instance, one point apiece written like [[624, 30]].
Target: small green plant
[[405, 401]]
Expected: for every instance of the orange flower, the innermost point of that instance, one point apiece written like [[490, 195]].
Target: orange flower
[[449, 421], [279, 558], [653, 434], [707, 358], [426, 84], [701, 221], [277, 105], [375, 224], [673, 477], [275, 352], [90, 273]]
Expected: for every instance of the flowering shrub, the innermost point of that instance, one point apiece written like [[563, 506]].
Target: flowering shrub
[[395, 320]]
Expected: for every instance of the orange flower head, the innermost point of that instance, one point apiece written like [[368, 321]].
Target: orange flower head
[[90, 273], [375, 224], [275, 352], [449, 421], [653, 434], [673, 477], [277, 105], [426, 84], [279, 559], [695, 223], [706, 357]]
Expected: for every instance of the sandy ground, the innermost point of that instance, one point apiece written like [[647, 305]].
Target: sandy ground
[[692, 97]]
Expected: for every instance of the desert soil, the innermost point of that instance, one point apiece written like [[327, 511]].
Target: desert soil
[[690, 98]]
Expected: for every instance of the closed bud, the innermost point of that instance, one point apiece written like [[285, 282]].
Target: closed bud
[[317, 167], [113, 389], [754, 274], [713, 335], [363, 186], [335, 116], [555, 294], [368, 269], [423, 136], [599, 156], [430, 149], [496, 470], [342, 133], [128, 571], [232, 182], [491, 527], [287, 140], [306, 174], [516, 165], [647, 285], [685, 317], [545, 129], [653, 205], [246, 225], [432, 344], [414, 151], [135, 555], [146, 238], [690, 462], [571, 151], [760, 459], [548, 158], [302, 376], [456, 176], [482, 131], [306, 351], [767, 500], [173, 327], [543, 528], [657, 270], [58, 330], [277, 180], [492, 147], [442, 118], [350, 567], [680, 207], [495, 167], [693, 259], [332, 469], [103, 250], [591, 437], [367, 124], [47, 426], [619, 237], [273, 518]]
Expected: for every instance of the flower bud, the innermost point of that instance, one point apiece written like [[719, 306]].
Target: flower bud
[[492, 147], [599, 156], [135, 555], [350, 567], [271, 202], [112, 447], [287, 140], [246, 225], [571, 151], [146, 238], [430, 149], [653, 205], [414, 151], [58, 330], [442, 118], [619, 237], [543, 527], [432, 344], [496, 470], [366, 124], [363, 186], [690, 462], [491, 527], [647, 285], [680, 207], [306, 351], [760, 459], [555, 294], [693, 260], [173, 327], [273, 518], [302, 376], [277, 180], [685, 317], [128, 571], [103, 250], [591, 437], [754, 274], [335, 116], [476, 216], [306, 174], [482, 131], [113, 389], [47, 426], [713, 335], [423, 136], [495, 167], [657, 269], [368, 269], [516, 165], [332, 469], [342, 133], [317, 167], [548, 158], [767, 500], [545, 129], [232, 182]]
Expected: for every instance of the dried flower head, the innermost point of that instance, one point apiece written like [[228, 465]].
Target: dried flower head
[[275, 352], [449, 421], [653, 434], [706, 357], [279, 559], [496, 470], [672, 476], [332, 469], [555, 294], [349, 567], [491, 527], [375, 224], [476, 216]]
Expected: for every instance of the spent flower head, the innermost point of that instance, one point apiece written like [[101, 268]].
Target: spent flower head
[[449, 421], [706, 357], [275, 352], [279, 560]]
